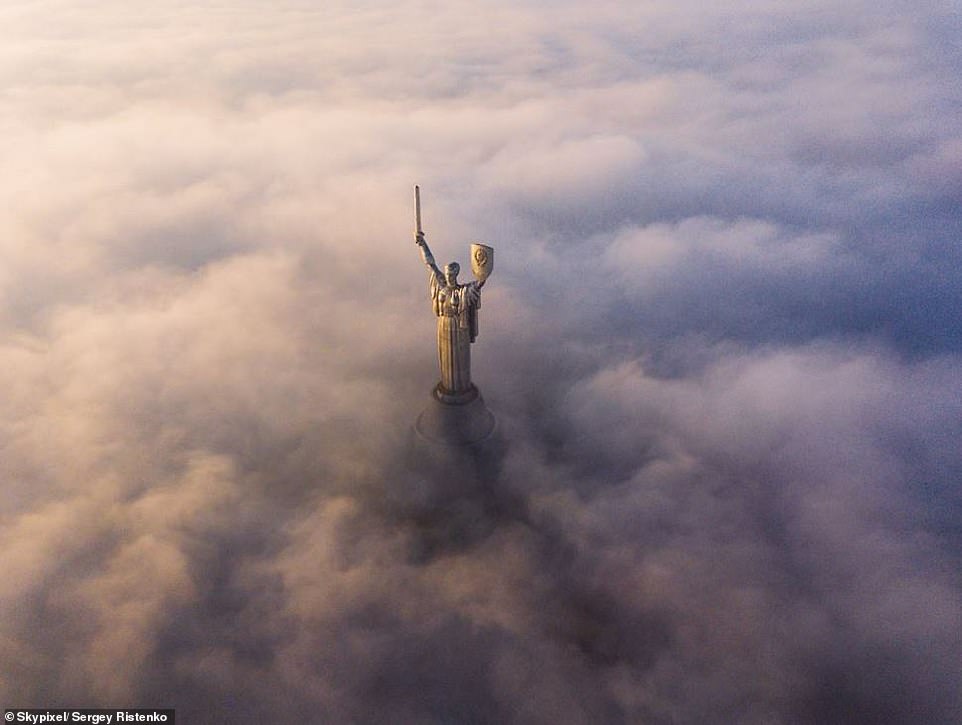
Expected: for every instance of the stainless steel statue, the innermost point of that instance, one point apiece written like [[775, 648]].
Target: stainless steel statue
[[456, 306]]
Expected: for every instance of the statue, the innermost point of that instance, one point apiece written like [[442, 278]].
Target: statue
[[456, 415], [456, 307]]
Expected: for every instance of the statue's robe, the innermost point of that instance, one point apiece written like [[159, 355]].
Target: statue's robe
[[457, 329]]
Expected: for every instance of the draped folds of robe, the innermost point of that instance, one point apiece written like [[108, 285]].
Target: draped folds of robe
[[457, 329]]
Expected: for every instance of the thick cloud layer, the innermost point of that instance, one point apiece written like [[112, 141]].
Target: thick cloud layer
[[721, 341]]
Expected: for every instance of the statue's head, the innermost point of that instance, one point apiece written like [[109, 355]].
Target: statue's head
[[451, 273]]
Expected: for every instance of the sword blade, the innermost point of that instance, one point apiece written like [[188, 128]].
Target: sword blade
[[417, 207]]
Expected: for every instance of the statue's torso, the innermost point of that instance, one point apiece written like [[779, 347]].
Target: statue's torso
[[451, 300]]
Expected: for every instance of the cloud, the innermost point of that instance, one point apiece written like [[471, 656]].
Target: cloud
[[720, 341]]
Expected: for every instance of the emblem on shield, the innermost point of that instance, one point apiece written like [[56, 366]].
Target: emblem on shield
[[482, 260]]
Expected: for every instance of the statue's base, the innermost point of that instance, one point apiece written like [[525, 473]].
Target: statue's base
[[455, 419]]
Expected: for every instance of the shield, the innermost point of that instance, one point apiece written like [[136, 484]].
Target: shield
[[482, 260]]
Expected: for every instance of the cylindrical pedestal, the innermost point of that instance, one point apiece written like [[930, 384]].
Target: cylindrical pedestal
[[455, 420]]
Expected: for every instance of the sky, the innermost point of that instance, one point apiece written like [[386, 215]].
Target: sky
[[721, 340]]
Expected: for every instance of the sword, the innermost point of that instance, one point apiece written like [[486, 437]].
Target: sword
[[417, 208]]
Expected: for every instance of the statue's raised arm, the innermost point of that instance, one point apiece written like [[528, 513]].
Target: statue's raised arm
[[427, 256]]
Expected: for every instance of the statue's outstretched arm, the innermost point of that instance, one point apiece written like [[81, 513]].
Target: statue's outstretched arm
[[427, 256]]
